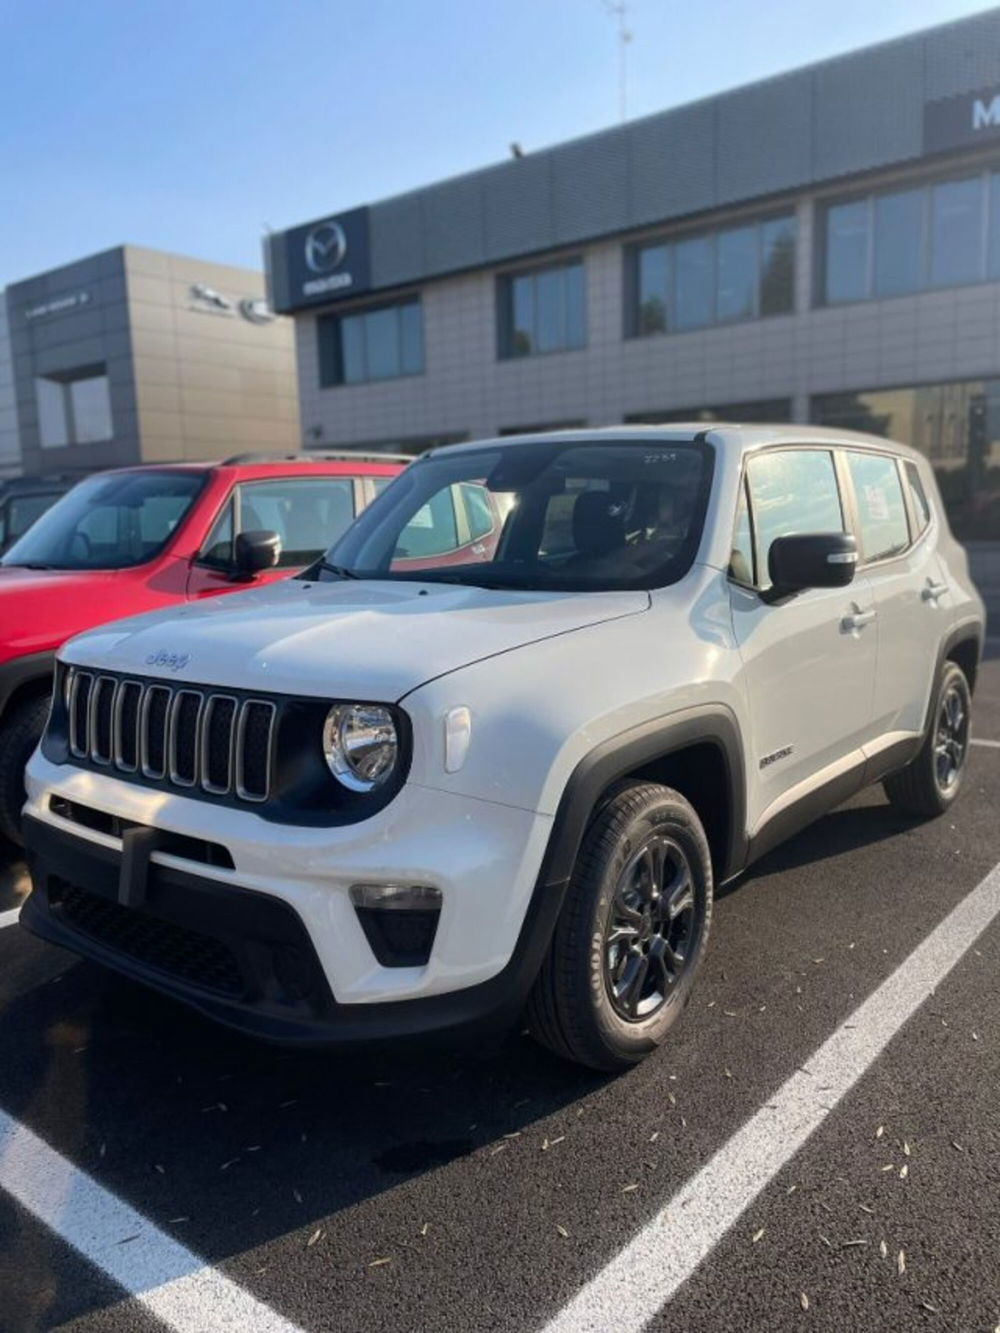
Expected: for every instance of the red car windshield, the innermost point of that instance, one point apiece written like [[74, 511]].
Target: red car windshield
[[108, 522]]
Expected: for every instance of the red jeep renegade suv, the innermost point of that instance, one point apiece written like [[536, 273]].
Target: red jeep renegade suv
[[141, 538]]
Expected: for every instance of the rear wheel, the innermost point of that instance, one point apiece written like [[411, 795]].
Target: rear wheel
[[19, 735], [929, 785], [632, 932]]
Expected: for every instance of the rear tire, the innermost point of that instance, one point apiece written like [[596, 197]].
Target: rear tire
[[631, 934], [929, 785], [19, 735]]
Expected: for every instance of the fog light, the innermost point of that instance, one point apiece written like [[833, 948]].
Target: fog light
[[399, 921]]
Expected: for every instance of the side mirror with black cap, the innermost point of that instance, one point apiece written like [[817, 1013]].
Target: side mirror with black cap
[[810, 560], [256, 551]]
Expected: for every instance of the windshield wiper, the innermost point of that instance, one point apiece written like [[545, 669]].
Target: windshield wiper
[[341, 571]]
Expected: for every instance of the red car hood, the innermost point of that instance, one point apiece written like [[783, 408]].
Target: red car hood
[[40, 609]]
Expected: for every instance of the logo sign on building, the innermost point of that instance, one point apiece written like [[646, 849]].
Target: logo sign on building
[[58, 306], [328, 260], [956, 122]]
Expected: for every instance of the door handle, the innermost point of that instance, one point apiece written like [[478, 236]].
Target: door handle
[[858, 619], [934, 590]]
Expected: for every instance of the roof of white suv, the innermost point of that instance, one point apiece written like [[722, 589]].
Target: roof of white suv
[[730, 436]]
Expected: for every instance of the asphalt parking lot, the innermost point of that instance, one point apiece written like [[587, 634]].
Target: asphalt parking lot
[[497, 1188]]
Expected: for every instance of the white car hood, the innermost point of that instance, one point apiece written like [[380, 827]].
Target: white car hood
[[373, 640]]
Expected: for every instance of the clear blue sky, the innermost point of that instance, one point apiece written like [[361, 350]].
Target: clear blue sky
[[190, 125]]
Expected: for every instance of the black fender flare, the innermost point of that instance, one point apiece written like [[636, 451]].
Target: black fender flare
[[615, 758], [22, 671]]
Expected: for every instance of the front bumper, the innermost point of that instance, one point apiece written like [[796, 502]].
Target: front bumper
[[263, 948]]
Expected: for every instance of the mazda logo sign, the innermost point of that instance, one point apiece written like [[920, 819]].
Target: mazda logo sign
[[326, 246]]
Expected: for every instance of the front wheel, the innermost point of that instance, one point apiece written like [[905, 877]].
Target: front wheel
[[19, 735], [632, 932], [930, 784]]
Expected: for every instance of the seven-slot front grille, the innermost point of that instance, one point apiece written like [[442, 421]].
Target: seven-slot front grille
[[180, 735]]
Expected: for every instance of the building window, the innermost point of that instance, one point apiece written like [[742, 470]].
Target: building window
[[542, 311], [944, 234], [713, 278], [74, 407], [956, 425], [763, 409], [381, 343]]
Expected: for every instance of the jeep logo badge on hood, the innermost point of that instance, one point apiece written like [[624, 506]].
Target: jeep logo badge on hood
[[172, 661]]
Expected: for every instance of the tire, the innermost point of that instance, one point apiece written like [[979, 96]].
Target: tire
[[19, 734], [929, 785], [588, 1004]]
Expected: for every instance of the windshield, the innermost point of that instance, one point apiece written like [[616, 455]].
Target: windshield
[[547, 514], [108, 522]]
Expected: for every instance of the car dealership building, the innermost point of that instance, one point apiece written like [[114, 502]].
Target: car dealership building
[[822, 246], [134, 355]]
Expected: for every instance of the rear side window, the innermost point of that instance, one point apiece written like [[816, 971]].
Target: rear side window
[[793, 492], [921, 505], [883, 528]]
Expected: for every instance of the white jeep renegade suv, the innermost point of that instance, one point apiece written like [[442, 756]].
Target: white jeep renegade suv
[[492, 754]]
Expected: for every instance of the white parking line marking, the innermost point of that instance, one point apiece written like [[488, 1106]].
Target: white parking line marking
[[170, 1281], [992, 745], [670, 1247], [8, 918]]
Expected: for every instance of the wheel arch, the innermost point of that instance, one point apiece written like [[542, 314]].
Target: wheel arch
[[24, 678], [697, 751]]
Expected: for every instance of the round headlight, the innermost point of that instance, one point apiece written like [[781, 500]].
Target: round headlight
[[361, 745]]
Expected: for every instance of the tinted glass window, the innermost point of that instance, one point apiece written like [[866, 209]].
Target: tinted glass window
[[53, 422], [308, 515], [741, 562], [432, 530], [23, 511], [576, 516], [921, 507], [109, 522], [378, 344], [478, 513], [653, 283], [847, 243], [881, 509], [955, 425], [543, 311], [90, 405], [693, 298], [899, 242], [218, 548], [777, 261], [792, 491], [736, 273], [956, 232]]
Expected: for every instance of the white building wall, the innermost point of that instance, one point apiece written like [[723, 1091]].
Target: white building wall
[[929, 337], [10, 444]]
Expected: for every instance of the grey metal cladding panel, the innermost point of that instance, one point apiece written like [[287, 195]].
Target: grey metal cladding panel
[[764, 138], [454, 223], [963, 56], [518, 203], [671, 163], [276, 270], [869, 108], [590, 180], [396, 241], [86, 323]]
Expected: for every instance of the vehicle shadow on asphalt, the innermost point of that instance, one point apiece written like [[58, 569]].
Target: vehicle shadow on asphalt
[[246, 1143], [14, 883], [844, 830]]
